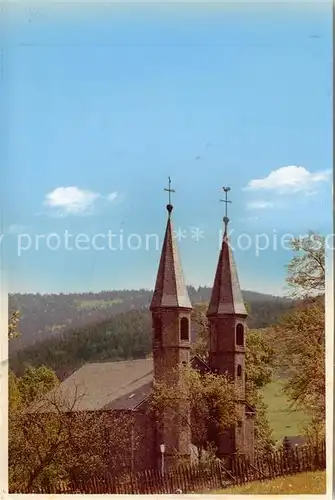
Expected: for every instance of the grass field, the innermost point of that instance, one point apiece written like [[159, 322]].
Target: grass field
[[304, 483], [97, 304], [283, 421]]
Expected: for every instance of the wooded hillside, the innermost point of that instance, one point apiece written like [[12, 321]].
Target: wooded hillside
[[45, 316]]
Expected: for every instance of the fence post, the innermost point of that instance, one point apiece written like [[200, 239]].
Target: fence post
[[241, 470], [272, 466], [145, 480], [237, 469], [234, 469], [317, 458], [189, 477], [220, 475]]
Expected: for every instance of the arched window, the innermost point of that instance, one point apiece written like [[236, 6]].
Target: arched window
[[240, 334], [239, 370], [184, 329], [158, 328]]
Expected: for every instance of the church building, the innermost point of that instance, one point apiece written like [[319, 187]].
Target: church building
[[125, 386], [171, 318]]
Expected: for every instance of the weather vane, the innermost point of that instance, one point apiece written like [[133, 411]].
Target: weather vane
[[169, 190], [226, 201]]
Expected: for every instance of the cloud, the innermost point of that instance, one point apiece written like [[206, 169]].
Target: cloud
[[259, 205], [74, 201], [291, 179]]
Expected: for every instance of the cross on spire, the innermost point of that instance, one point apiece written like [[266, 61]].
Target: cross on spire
[[169, 190], [226, 201]]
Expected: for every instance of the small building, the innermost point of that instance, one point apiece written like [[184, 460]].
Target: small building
[[292, 442]]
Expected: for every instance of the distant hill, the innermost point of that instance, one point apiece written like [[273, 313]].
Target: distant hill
[[43, 317]]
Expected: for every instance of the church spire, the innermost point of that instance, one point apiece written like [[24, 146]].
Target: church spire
[[170, 289], [226, 293]]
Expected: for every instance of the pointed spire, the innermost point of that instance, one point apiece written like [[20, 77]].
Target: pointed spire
[[226, 293], [170, 289]]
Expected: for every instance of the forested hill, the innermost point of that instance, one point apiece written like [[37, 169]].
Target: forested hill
[[45, 316]]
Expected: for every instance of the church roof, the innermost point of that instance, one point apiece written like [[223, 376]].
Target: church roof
[[106, 385], [226, 295], [170, 289], [116, 385]]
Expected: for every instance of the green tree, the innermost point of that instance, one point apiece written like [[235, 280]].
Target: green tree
[[200, 325], [50, 442], [259, 371], [306, 271], [13, 324], [300, 335], [259, 359], [301, 354], [211, 402], [14, 394], [36, 382]]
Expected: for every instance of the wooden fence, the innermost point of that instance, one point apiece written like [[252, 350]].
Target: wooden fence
[[201, 478]]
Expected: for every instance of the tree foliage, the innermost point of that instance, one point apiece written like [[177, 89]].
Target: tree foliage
[[13, 324], [50, 442], [211, 399], [200, 325], [300, 340], [14, 395], [306, 271], [35, 383], [259, 359], [300, 335], [259, 364], [124, 336]]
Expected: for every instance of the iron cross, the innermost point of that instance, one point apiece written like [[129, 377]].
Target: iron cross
[[226, 201], [169, 190]]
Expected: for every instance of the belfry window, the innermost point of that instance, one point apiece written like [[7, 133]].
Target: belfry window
[[184, 329], [239, 370], [240, 334]]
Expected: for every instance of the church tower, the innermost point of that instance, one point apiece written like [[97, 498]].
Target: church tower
[[171, 319], [227, 322]]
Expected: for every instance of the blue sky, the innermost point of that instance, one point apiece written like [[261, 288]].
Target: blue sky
[[101, 104]]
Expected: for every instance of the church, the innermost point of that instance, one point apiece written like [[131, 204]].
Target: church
[[125, 386]]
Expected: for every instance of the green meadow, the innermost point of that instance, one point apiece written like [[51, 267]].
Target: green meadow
[[283, 420], [97, 304], [307, 483]]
